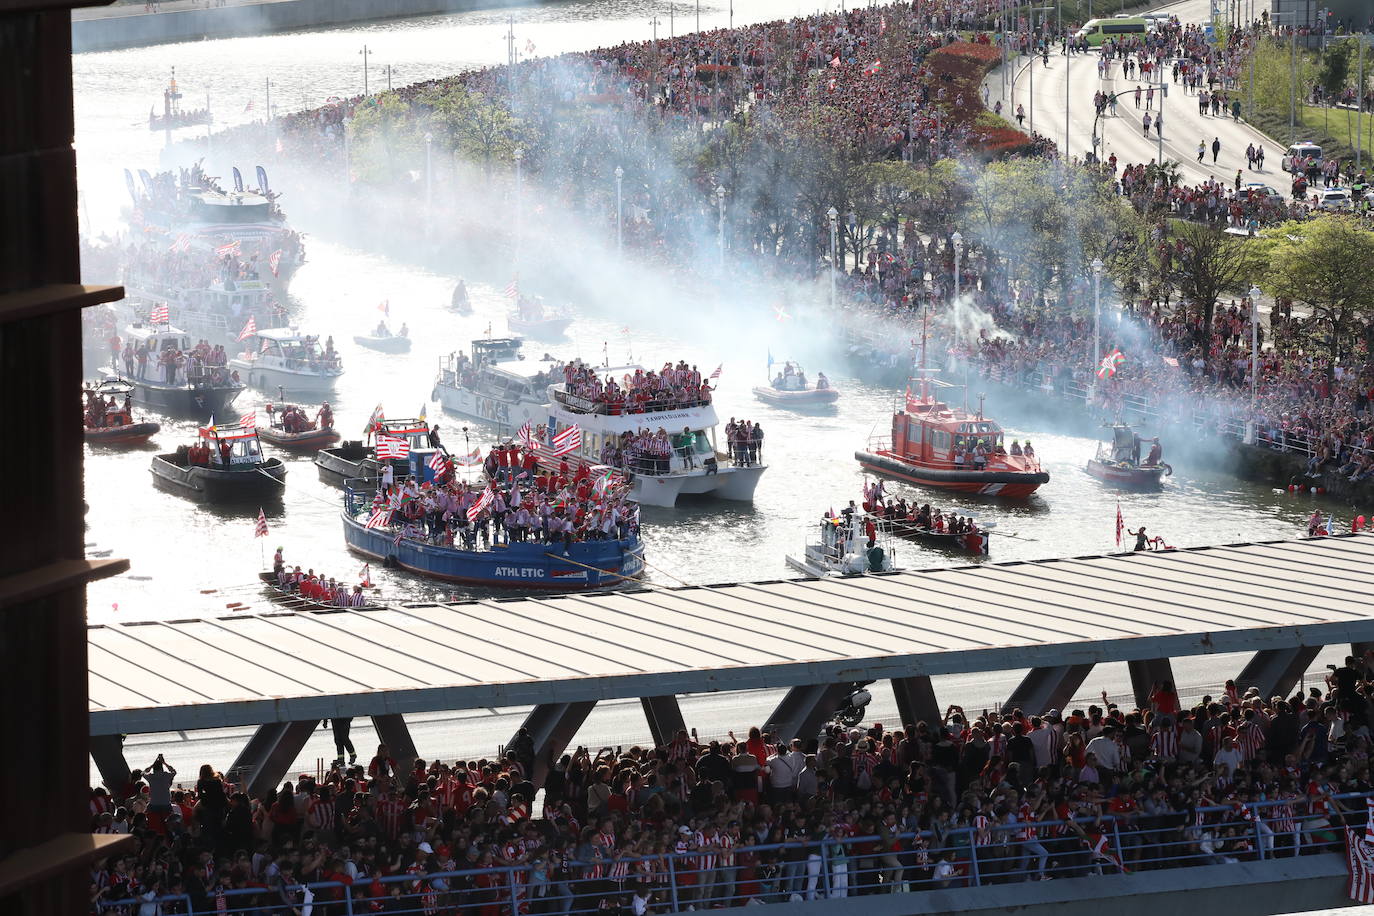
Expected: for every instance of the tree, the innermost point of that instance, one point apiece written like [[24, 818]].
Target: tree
[[475, 126], [1204, 262], [1326, 264]]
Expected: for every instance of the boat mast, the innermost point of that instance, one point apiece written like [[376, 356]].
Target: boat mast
[[925, 320]]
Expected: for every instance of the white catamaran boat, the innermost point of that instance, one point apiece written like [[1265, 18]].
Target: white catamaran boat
[[695, 467], [287, 359], [496, 385]]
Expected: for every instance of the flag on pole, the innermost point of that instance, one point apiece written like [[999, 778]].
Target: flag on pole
[[422, 416], [378, 518], [512, 288], [1110, 363], [273, 260], [873, 67], [835, 61], [569, 440], [1120, 525], [231, 248], [392, 447], [374, 421], [439, 464], [716, 374], [525, 436], [1102, 851], [1359, 859], [260, 529], [482, 502], [249, 107], [159, 315], [366, 575], [250, 328], [385, 307], [249, 420], [471, 458], [280, 148]]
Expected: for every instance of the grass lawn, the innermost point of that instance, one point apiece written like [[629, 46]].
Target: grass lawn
[[1340, 125]]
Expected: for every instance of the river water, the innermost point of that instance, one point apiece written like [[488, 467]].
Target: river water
[[190, 560]]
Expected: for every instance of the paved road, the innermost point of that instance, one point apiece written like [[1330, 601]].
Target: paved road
[[1122, 135]]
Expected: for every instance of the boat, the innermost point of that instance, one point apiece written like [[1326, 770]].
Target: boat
[[928, 435], [293, 600], [284, 358], [789, 389], [497, 384], [460, 301], [112, 422], [533, 318], [527, 565], [183, 390], [382, 340], [217, 311], [225, 465], [173, 115], [977, 541], [696, 466], [289, 427], [837, 547], [354, 459], [1118, 463]]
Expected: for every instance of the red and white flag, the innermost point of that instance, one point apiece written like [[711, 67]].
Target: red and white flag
[[273, 260], [249, 420], [525, 436], [1369, 820], [1359, 858], [392, 447], [1102, 851], [512, 288], [280, 148], [569, 440], [716, 374], [249, 329], [379, 518], [1120, 525], [159, 315], [835, 61], [483, 501], [473, 457], [182, 243], [439, 464], [260, 529], [230, 248], [249, 107]]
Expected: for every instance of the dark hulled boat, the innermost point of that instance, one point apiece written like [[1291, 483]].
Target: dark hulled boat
[[1119, 464], [226, 465]]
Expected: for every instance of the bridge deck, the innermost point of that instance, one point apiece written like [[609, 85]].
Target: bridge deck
[[251, 669]]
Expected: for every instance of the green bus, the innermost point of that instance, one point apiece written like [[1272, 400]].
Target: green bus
[[1096, 31]]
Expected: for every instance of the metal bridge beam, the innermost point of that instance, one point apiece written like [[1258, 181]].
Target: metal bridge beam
[[804, 710], [553, 726], [1043, 689], [266, 759], [1145, 673], [664, 716], [393, 732], [108, 752], [1276, 671], [916, 701]]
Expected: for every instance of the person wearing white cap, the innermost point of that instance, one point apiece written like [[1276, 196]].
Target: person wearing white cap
[[426, 849]]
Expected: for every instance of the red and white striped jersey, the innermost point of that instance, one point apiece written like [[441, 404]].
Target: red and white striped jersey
[[1281, 818], [1027, 818], [1249, 740], [726, 844], [706, 858], [319, 814], [1164, 744], [982, 832], [390, 812]]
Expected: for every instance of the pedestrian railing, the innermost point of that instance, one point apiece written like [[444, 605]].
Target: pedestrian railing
[[817, 867]]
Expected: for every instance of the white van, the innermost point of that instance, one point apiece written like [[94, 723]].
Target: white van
[[1301, 151]]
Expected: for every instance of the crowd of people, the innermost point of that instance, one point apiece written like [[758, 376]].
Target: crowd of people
[[170, 365], [670, 388], [320, 588], [995, 797]]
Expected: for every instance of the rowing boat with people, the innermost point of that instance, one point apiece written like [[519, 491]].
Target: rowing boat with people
[[295, 601]]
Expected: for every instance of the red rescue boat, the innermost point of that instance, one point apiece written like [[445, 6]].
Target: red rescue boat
[[109, 419], [290, 428]]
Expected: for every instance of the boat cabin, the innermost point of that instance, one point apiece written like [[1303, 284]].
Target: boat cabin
[[158, 338], [416, 432], [930, 431], [496, 350], [1125, 446], [290, 348], [229, 447], [223, 207]]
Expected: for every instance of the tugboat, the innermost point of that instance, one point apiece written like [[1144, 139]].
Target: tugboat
[[839, 548], [109, 418], [693, 465], [290, 427], [497, 385], [225, 465], [173, 115], [789, 389], [354, 459], [534, 319], [283, 358], [933, 445], [527, 565], [382, 340], [168, 383], [1119, 464]]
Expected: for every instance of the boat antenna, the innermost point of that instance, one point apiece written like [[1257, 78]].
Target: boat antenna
[[925, 320]]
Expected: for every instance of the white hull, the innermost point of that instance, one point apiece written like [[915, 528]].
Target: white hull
[[729, 483], [468, 403], [270, 378]]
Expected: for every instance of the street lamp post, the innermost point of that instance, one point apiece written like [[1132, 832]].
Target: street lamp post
[[1097, 320], [619, 224], [429, 172], [1254, 351], [834, 252], [958, 241], [720, 225], [519, 157], [348, 165], [364, 53]]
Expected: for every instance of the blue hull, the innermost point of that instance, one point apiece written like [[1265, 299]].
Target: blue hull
[[524, 566]]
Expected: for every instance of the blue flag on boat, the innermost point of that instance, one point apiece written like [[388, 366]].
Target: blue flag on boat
[[770, 359]]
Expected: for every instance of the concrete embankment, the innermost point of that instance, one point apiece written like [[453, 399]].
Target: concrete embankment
[[109, 28]]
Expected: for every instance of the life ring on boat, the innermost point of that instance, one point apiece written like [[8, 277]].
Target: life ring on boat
[[1168, 469]]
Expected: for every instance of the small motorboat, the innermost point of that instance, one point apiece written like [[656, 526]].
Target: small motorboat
[[382, 340], [460, 301], [225, 465], [293, 600], [109, 419], [292, 429], [534, 319], [353, 459], [1118, 464], [789, 388], [284, 358], [839, 548]]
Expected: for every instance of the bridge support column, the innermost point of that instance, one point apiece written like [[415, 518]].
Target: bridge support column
[[553, 726], [665, 718], [392, 731], [108, 753], [916, 701], [1145, 673], [802, 712], [1276, 671], [1043, 689], [266, 759]]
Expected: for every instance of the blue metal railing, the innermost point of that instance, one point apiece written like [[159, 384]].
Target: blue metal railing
[[814, 869]]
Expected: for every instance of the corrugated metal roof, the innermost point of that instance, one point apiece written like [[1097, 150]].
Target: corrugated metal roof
[[244, 670]]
